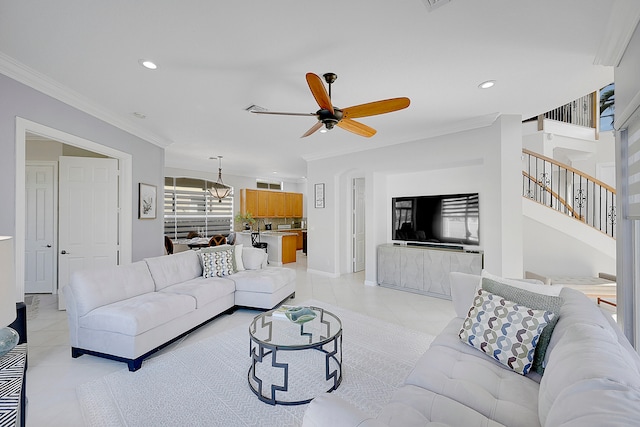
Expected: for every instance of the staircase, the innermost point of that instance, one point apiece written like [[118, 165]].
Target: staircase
[[569, 191]]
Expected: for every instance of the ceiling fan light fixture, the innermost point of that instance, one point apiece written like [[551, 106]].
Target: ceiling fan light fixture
[[148, 64], [487, 84], [219, 189]]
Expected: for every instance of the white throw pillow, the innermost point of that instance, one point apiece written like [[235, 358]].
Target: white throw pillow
[[237, 251]]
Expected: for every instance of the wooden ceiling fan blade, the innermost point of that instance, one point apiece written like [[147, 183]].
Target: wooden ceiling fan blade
[[319, 92], [356, 127], [313, 129], [375, 108], [279, 113]]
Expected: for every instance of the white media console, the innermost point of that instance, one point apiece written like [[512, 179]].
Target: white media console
[[424, 269]]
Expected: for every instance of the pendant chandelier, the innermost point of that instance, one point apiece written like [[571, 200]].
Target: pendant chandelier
[[219, 189]]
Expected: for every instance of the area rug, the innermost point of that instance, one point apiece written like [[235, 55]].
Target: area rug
[[205, 384]]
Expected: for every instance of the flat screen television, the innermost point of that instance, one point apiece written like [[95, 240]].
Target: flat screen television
[[452, 219]]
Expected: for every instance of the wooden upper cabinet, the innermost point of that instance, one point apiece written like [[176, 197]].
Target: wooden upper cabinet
[[293, 205], [277, 206], [271, 204], [263, 203], [249, 201]]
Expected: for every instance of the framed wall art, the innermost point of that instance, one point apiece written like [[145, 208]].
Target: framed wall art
[[147, 201], [319, 195]]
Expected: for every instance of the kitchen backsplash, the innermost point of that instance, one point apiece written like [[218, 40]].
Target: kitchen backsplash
[[293, 222]]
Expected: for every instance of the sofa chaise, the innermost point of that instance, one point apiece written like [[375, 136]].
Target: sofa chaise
[[589, 375], [128, 312]]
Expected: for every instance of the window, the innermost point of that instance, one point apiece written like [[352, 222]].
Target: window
[[188, 207], [268, 185]]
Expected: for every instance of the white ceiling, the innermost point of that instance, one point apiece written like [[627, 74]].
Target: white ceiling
[[216, 58]]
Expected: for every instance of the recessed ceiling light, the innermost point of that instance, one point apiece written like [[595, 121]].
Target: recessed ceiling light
[[148, 64], [487, 84]]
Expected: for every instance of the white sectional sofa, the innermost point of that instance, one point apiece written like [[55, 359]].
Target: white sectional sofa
[[128, 312], [591, 377]]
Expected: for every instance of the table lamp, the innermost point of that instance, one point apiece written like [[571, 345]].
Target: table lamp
[[8, 337]]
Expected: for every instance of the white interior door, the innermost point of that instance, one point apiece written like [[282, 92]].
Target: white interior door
[[40, 236], [88, 216], [358, 225]]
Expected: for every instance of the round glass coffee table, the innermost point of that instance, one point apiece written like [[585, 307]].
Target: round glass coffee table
[[291, 363]]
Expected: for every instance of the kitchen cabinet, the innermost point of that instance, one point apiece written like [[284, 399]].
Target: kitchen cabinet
[[271, 204], [249, 201], [288, 248], [293, 205]]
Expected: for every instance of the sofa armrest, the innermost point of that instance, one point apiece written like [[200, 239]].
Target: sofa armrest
[[330, 410]]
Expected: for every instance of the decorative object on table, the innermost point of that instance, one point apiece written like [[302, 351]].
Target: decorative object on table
[[8, 337], [147, 201], [219, 189], [319, 195], [246, 219], [296, 314]]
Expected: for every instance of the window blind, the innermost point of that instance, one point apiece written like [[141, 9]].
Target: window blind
[[189, 207], [633, 169]]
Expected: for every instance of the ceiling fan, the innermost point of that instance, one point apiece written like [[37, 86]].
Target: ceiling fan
[[330, 116]]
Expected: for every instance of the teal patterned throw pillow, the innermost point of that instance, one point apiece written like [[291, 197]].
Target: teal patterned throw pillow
[[217, 263], [504, 330]]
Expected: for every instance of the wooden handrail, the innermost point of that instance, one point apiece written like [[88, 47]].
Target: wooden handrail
[[570, 169], [556, 195]]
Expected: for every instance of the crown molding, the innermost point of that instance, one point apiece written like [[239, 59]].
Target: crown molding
[[621, 25], [38, 81]]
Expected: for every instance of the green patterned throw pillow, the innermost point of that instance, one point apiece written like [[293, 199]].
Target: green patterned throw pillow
[[504, 330]]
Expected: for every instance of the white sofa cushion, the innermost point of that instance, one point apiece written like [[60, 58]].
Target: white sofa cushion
[[168, 270], [596, 403], [415, 406], [95, 288], [237, 252], [463, 291], [203, 290], [462, 373], [253, 258], [266, 280], [586, 356], [133, 316]]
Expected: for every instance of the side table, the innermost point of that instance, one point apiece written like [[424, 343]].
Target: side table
[[12, 387]]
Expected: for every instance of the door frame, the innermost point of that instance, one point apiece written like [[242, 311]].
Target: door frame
[[125, 190], [54, 243]]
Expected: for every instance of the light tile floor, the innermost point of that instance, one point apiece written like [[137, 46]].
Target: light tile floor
[[53, 375]]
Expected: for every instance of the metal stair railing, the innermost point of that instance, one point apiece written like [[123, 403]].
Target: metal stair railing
[[569, 191]]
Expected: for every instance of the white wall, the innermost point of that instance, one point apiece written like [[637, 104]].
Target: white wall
[[19, 100], [557, 245], [486, 160]]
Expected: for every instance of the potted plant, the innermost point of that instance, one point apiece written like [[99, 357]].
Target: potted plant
[[246, 219]]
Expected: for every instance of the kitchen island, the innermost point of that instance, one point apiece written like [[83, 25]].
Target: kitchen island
[[281, 245]]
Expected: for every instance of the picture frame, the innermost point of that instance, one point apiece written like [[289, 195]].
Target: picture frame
[[147, 201], [319, 195]]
